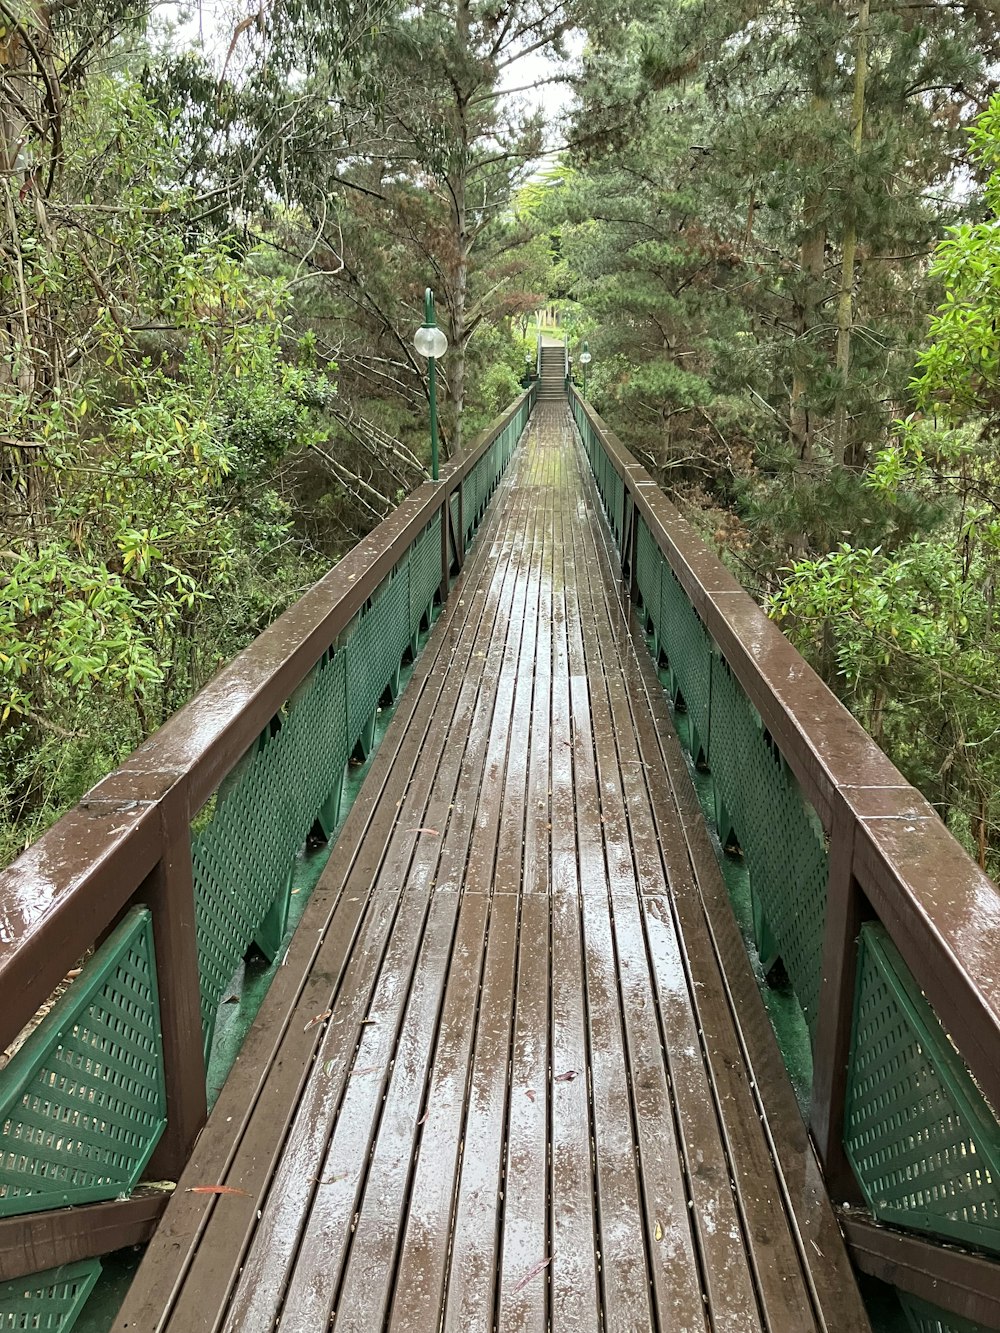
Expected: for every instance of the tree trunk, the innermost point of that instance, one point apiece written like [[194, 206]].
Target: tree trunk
[[459, 295], [811, 257], [845, 300]]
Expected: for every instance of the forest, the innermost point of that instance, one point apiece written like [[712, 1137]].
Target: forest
[[773, 222]]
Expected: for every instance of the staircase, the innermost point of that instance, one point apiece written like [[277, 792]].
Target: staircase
[[552, 384]]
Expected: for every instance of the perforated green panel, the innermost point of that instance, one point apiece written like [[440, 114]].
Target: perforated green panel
[[374, 652], [781, 838], [688, 647], [243, 857], [648, 570], [48, 1301], [265, 809], [424, 572], [926, 1318], [469, 505], [615, 503], [82, 1104], [484, 478], [923, 1142]]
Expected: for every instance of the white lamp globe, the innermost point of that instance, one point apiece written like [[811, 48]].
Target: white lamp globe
[[430, 342], [585, 358]]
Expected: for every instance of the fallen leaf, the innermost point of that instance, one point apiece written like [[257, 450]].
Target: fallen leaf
[[540, 1267], [332, 1180], [530, 1094], [658, 1232], [215, 1189], [568, 1077], [433, 831], [328, 1066], [318, 1018], [423, 1118]]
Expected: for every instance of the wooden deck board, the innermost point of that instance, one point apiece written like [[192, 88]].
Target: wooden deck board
[[530, 1105]]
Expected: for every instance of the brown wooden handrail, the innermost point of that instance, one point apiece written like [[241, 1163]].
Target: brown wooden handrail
[[889, 853]]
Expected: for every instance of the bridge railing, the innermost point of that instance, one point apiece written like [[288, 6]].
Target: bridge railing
[[888, 931], [172, 866]]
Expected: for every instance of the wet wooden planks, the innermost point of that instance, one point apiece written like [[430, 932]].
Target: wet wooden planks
[[529, 1107]]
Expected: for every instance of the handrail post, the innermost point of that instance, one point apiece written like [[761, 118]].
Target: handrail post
[[845, 910], [169, 894]]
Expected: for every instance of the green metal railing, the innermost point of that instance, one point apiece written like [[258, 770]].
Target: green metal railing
[[293, 776], [86, 1101], [482, 481], [758, 803], [914, 1123]]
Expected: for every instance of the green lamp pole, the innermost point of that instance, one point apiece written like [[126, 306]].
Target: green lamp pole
[[431, 343], [585, 359]]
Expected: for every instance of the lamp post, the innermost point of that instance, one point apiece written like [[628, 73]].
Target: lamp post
[[585, 359], [431, 343]]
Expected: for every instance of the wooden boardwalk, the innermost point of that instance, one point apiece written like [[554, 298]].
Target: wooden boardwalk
[[502, 1081]]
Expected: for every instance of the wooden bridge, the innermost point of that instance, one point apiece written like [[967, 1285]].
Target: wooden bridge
[[515, 1069]]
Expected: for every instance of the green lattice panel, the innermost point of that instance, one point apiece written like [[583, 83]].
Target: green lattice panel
[[470, 503], [48, 1301], [313, 735], [648, 571], [424, 571], [475, 492], [82, 1104], [602, 475], [781, 838], [923, 1317], [616, 503], [374, 652], [243, 858], [923, 1142], [688, 647], [490, 473]]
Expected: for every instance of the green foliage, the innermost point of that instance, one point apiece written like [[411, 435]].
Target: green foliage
[[499, 357], [959, 372], [141, 488], [907, 632]]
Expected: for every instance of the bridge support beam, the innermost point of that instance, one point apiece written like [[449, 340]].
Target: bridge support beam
[[964, 1284], [38, 1241]]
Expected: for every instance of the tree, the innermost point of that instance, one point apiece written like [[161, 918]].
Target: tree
[[912, 626], [405, 179], [148, 403]]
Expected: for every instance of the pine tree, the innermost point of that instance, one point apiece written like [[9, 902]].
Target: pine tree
[[826, 158]]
